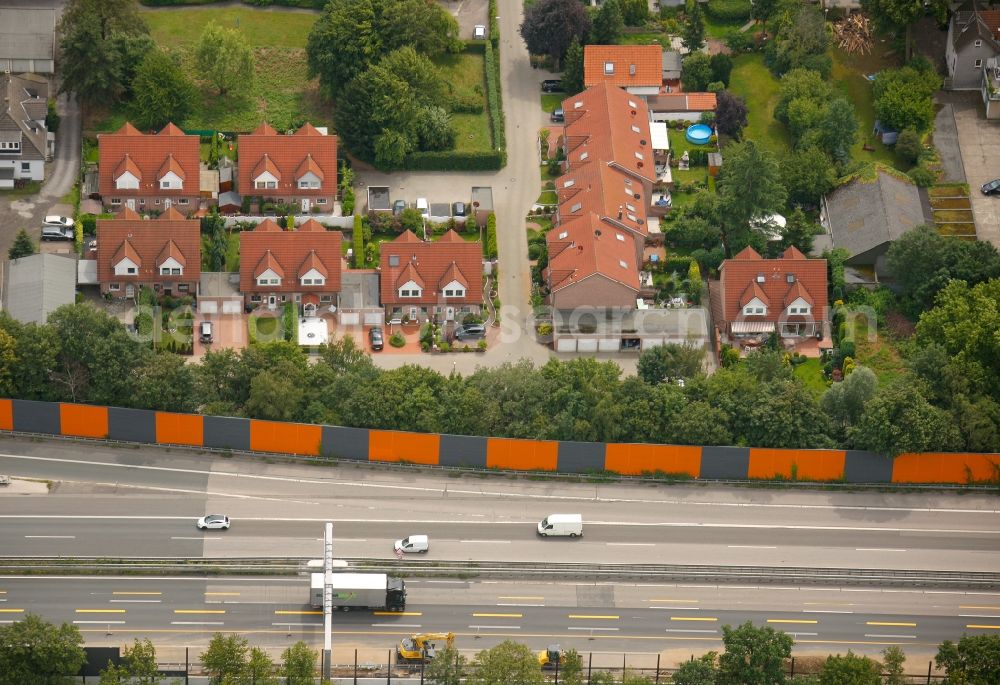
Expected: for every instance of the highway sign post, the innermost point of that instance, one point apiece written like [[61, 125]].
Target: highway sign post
[[327, 599]]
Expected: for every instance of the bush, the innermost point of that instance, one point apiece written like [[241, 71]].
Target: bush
[[444, 346], [481, 345], [467, 104], [452, 160], [89, 223], [397, 339], [847, 348], [923, 176], [491, 237], [493, 99], [908, 145], [728, 11], [739, 42]]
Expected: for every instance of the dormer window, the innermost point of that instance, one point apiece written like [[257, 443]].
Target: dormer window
[[12, 146], [454, 289], [265, 185], [409, 292], [317, 280], [802, 309], [760, 278], [752, 309], [790, 278], [567, 184], [563, 235], [609, 68], [306, 184], [167, 184], [171, 271], [979, 43], [268, 280]]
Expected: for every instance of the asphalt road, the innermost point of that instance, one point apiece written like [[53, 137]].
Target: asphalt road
[[589, 617]]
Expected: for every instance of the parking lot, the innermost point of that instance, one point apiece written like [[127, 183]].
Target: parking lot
[[440, 189]]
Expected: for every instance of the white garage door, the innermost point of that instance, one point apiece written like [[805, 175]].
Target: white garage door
[[586, 345], [208, 306], [374, 319], [350, 319], [232, 307], [609, 344], [566, 345]]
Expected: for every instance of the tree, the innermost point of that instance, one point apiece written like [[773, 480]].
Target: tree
[[22, 247], [225, 58], [843, 402], [259, 669], [36, 652], [807, 174], [700, 671], [298, 664], [693, 31], [722, 67], [975, 660], [800, 84], [904, 98], [893, 659], [666, 362], [435, 131], [891, 14], [801, 40], [163, 92], [446, 668], [550, 26], [635, 12], [608, 23], [840, 130], [165, 382], [699, 423], [749, 187], [571, 668], [753, 656], [138, 666], [730, 114], [850, 669], [899, 419], [572, 76], [225, 660], [696, 72], [214, 226], [508, 662], [785, 414], [909, 146]]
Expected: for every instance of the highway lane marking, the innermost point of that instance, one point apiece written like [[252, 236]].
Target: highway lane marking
[[887, 623], [877, 549], [512, 604], [281, 612], [678, 608], [496, 627], [520, 597], [446, 582], [309, 625], [631, 544], [590, 628], [498, 493], [11, 611], [826, 611], [100, 622], [398, 613], [394, 625], [137, 593], [50, 537], [791, 620], [978, 616], [197, 623], [829, 604], [199, 611], [751, 547], [693, 618], [891, 637], [675, 601], [101, 611], [594, 616], [222, 594], [960, 606], [136, 601], [983, 627], [476, 615], [692, 630], [205, 537]]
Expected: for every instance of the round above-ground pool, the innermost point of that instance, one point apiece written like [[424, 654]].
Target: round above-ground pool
[[698, 134]]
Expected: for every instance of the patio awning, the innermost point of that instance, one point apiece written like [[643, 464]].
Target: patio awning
[[744, 327], [658, 132]]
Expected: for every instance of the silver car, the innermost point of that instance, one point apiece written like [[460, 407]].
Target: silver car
[[213, 522]]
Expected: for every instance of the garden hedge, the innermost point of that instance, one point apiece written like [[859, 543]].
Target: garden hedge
[[728, 11], [305, 4], [452, 160]]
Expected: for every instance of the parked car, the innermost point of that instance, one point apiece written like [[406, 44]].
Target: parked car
[[558, 116], [470, 331], [423, 207], [458, 209], [57, 233], [213, 522], [992, 188], [205, 332], [398, 206], [552, 85], [376, 338], [60, 221], [479, 32]]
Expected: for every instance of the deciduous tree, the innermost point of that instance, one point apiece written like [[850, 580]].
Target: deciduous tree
[[225, 58], [163, 92], [550, 26], [508, 662], [899, 419], [670, 361], [608, 23], [700, 671], [138, 666], [572, 76], [36, 652], [225, 660], [635, 12], [889, 15], [749, 187], [696, 72], [904, 98], [893, 659], [753, 656], [850, 669], [446, 668], [975, 660], [807, 174], [730, 114], [298, 664], [839, 130]]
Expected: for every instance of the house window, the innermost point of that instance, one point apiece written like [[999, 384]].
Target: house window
[[13, 147], [620, 237], [165, 185], [326, 298], [979, 43], [142, 201], [578, 104], [631, 217], [635, 128], [182, 287], [263, 185], [584, 156], [456, 292], [308, 184], [131, 271], [638, 155], [321, 200], [114, 286], [632, 104], [622, 264], [790, 278], [609, 68], [313, 281], [749, 309], [576, 208], [798, 310], [415, 292], [167, 271], [255, 298], [116, 200], [268, 281], [568, 183], [182, 201], [157, 201], [563, 235], [394, 260], [979, 64], [25, 166], [630, 208]]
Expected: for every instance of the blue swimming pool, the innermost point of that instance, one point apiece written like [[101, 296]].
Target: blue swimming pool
[[698, 134]]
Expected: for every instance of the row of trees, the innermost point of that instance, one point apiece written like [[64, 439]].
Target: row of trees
[[36, 652]]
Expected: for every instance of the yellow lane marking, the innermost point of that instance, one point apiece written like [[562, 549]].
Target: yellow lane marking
[[11, 611], [199, 611], [976, 606], [100, 611], [223, 594], [675, 601], [983, 627], [3, 592], [883, 623], [789, 620], [520, 597], [397, 613], [612, 618], [500, 615], [692, 618], [137, 593], [829, 604], [298, 613]]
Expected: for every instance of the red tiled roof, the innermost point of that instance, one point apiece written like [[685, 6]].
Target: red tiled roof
[[267, 246], [287, 154], [992, 20], [128, 165], [308, 166], [683, 102], [705, 102], [145, 241], [313, 262], [150, 155], [584, 247], [409, 258], [265, 164], [748, 275], [634, 65], [599, 188], [453, 274]]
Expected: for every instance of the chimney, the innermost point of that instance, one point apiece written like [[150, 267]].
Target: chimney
[[620, 210]]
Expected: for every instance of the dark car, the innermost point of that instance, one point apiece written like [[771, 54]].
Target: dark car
[[557, 116], [552, 85], [458, 209], [398, 206], [470, 332], [376, 339], [992, 188]]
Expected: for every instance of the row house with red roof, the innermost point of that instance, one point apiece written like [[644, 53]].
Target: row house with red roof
[[163, 254], [302, 266], [149, 173], [755, 297], [440, 280], [298, 169]]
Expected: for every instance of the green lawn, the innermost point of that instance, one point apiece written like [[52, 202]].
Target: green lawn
[[463, 72], [232, 253], [552, 101], [718, 29], [262, 28], [880, 354], [811, 374], [752, 81]]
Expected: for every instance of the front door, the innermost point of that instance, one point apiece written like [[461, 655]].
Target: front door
[[449, 313], [413, 313], [130, 203], [166, 203], [305, 205], [130, 291], [272, 301]]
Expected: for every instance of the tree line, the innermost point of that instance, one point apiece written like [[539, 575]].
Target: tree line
[[36, 652]]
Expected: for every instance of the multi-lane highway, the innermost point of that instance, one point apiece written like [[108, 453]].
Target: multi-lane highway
[[98, 501]]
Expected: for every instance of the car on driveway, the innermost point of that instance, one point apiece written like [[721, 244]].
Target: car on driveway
[[479, 32], [59, 221], [213, 522], [557, 116], [376, 338], [458, 209], [992, 188], [57, 233], [423, 207], [398, 206], [471, 331], [552, 85]]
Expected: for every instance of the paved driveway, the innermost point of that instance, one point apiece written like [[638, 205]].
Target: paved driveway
[[979, 140]]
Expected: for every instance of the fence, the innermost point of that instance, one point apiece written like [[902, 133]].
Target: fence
[[680, 462]]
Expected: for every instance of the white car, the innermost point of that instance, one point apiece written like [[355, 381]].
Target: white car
[[213, 522], [479, 32], [60, 221], [423, 207]]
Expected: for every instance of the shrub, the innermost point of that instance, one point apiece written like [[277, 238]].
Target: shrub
[[908, 145], [444, 346], [847, 348], [467, 104], [491, 237], [553, 167], [452, 160], [397, 339], [481, 345], [728, 11], [923, 176], [739, 42], [89, 223]]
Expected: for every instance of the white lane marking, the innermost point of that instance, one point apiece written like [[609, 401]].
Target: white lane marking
[[505, 604], [586, 628], [197, 623], [978, 616], [496, 627], [676, 608], [631, 544], [100, 623], [877, 549], [193, 538], [487, 542], [797, 634], [396, 625], [910, 637], [690, 630], [825, 611], [135, 601], [499, 493], [52, 537], [300, 625], [7, 622], [229, 580], [751, 547], [460, 582], [347, 539]]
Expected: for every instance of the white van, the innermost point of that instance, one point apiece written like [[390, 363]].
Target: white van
[[561, 524], [414, 543]]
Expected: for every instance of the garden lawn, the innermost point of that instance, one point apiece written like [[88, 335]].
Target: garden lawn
[[232, 264], [880, 355], [552, 101], [463, 72], [752, 81], [262, 28], [810, 373]]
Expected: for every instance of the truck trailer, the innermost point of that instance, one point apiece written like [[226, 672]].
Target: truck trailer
[[360, 591]]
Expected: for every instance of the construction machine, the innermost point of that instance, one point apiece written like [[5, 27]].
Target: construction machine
[[421, 647], [551, 657]]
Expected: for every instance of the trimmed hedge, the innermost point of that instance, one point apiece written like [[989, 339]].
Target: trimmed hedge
[[452, 160], [304, 4], [491, 236], [467, 104], [494, 26], [493, 99], [728, 11]]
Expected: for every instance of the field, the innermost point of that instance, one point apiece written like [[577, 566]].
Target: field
[[752, 81], [463, 72]]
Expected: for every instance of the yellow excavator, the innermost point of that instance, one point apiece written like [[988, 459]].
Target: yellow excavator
[[420, 647], [550, 658]]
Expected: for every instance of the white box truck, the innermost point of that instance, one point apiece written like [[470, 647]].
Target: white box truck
[[360, 591], [570, 525]]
